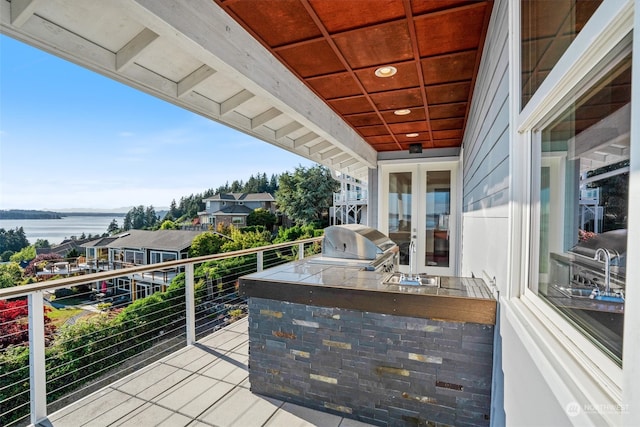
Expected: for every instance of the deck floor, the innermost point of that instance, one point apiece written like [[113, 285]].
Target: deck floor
[[202, 385]]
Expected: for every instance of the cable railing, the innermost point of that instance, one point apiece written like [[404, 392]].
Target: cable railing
[[59, 343]]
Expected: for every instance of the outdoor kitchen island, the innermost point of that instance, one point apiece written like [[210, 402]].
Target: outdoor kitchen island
[[337, 338]]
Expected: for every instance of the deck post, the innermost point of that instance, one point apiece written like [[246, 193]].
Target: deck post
[[300, 250], [260, 261], [37, 371], [190, 309]]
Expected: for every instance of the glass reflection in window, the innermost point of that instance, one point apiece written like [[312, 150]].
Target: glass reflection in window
[[584, 194], [547, 29]]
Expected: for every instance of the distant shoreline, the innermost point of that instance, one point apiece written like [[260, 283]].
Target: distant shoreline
[[36, 214]]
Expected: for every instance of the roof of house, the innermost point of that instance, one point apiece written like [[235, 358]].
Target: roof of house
[[101, 242], [63, 248], [249, 197], [171, 240], [233, 210]]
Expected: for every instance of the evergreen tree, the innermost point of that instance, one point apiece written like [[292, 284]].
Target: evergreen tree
[[113, 227], [306, 195]]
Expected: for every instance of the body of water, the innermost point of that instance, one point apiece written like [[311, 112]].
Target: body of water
[[56, 230]]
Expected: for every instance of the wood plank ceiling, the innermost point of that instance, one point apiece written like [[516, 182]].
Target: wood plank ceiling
[[335, 48]]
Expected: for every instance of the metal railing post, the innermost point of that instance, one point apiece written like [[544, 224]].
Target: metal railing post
[[190, 306], [260, 261], [300, 250], [37, 371]]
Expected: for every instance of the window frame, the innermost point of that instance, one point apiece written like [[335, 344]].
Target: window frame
[[601, 37]]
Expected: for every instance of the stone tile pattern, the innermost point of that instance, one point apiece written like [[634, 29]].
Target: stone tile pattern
[[376, 368]]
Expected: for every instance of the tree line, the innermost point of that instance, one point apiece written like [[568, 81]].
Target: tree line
[[304, 195]]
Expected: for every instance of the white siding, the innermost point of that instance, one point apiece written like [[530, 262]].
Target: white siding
[[485, 175], [486, 160]]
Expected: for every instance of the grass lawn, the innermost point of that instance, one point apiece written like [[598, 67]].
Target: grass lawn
[[60, 315]]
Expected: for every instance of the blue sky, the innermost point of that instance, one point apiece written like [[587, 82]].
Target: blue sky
[[71, 138]]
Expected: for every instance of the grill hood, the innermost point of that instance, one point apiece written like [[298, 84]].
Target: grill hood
[[355, 241]]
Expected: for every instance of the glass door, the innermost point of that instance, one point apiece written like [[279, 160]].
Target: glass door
[[419, 204], [437, 200]]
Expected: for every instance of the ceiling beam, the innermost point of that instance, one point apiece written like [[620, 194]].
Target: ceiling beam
[[190, 82], [323, 145], [21, 10], [331, 153], [304, 139], [287, 129], [235, 101], [223, 44], [136, 45], [264, 117]]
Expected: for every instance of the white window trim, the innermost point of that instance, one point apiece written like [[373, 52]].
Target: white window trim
[[586, 371]]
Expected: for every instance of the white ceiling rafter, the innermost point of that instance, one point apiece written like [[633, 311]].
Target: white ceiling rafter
[[305, 139], [235, 101], [348, 163], [265, 117], [191, 82], [331, 153], [288, 129], [21, 10], [336, 161], [321, 146], [317, 136], [136, 45]]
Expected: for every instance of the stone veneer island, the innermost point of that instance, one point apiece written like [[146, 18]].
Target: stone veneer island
[[336, 338]]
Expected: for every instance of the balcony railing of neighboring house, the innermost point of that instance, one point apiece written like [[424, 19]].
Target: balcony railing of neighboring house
[[350, 197], [94, 343]]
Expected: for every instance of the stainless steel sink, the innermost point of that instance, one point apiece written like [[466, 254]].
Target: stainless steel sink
[[402, 279]]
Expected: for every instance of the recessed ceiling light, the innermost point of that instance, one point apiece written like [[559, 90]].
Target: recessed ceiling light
[[411, 135], [402, 112], [386, 71]]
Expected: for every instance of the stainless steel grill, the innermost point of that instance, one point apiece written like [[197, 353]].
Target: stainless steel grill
[[578, 272], [358, 245]]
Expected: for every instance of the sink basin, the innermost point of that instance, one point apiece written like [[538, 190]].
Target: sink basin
[[402, 279]]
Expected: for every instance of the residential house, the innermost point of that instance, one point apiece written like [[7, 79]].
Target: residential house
[[479, 127], [234, 208], [138, 247]]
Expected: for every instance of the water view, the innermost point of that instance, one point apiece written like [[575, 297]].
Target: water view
[[56, 230]]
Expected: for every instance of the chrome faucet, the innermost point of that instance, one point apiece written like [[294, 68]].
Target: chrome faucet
[[412, 252], [608, 256]]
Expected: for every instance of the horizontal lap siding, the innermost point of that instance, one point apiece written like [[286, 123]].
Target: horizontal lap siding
[[486, 139]]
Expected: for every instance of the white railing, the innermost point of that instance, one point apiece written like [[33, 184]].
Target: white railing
[[350, 197], [106, 344]]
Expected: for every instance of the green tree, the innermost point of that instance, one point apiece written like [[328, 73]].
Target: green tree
[[25, 254], [113, 227], [246, 240], [6, 256], [262, 217], [306, 195], [73, 253], [13, 240], [42, 243], [168, 225], [10, 275], [207, 243], [140, 218]]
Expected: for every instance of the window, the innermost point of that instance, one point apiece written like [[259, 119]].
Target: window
[[547, 30], [583, 193], [133, 257], [158, 257], [237, 220]]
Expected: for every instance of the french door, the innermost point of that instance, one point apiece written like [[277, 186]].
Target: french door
[[419, 204]]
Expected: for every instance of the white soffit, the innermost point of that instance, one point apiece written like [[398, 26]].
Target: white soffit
[[192, 54]]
